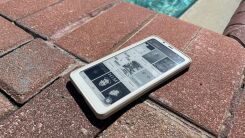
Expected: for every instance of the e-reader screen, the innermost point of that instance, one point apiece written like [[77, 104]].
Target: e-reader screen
[[126, 72]]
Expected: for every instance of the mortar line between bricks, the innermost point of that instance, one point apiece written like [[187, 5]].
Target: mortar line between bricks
[[136, 31], [53, 45], [186, 46], [87, 18], [104, 8], [177, 118], [182, 116], [9, 113], [125, 39], [70, 28], [30, 31], [15, 48], [14, 20], [234, 104], [49, 83], [36, 34], [6, 17], [81, 59], [127, 36], [40, 10], [52, 80], [11, 100], [33, 33]]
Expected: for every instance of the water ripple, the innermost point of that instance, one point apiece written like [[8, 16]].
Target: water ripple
[[169, 7]]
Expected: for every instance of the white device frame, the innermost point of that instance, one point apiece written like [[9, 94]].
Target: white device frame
[[100, 110]]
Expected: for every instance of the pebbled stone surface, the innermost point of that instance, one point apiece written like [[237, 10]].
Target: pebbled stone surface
[[149, 122], [50, 20], [16, 9], [204, 92], [52, 113], [26, 70], [100, 36], [11, 36]]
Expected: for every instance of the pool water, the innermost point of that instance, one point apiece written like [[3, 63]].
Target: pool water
[[170, 7]]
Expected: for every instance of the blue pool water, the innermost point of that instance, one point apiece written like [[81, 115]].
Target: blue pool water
[[170, 7]]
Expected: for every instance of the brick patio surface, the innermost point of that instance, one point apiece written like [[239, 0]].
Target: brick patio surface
[[42, 41]]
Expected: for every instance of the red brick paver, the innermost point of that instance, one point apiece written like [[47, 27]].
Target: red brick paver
[[5, 106], [52, 113], [174, 31], [3, 1], [47, 22], [15, 9], [26, 70], [99, 37], [238, 130], [91, 29], [204, 92], [11, 36], [145, 121]]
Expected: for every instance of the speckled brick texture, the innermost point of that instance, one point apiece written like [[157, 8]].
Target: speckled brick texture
[[6, 107], [52, 113], [99, 37], [50, 20], [16, 9], [149, 122], [174, 31], [26, 70], [203, 93], [11, 36], [238, 130], [37, 98], [3, 1]]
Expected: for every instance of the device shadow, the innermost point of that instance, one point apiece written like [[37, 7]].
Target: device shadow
[[103, 124]]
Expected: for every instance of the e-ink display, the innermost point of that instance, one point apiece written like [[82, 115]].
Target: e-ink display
[[124, 73]]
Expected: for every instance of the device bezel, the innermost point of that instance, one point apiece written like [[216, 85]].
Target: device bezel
[[101, 111]]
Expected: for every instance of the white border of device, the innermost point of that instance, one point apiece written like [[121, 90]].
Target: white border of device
[[100, 110]]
